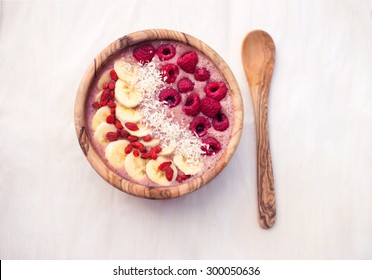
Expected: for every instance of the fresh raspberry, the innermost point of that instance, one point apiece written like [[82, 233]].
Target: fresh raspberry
[[216, 90], [185, 85], [220, 122], [192, 105], [200, 126], [169, 73], [170, 96], [211, 146], [201, 74], [144, 53], [209, 107], [166, 52], [188, 61]]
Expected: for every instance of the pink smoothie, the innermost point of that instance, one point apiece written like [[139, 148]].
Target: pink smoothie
[[179, 116]]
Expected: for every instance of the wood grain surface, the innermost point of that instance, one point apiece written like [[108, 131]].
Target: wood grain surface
[[86, 143], [258, 55]]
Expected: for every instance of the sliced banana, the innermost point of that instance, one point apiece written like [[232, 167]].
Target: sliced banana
[[101, 131], [187, 168], [125, 71], [167, 150], [128, 114], [142, 130], [157, 176], [100, 116], [115, 154], [105, 78], [135, 167], [127, 95], [152, 143], [98, 96]]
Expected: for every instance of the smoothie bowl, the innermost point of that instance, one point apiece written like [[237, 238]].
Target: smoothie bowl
[[158, 114]]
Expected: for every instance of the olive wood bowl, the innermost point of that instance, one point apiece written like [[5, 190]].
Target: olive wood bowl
[[86, 142]]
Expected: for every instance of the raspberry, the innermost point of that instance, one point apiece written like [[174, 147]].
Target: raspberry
[[185, 85], [188, 61], [200, 126], [170, 96], [169, 73], [220, 122], [166, 52], [211, 146], [216, 90], [144, 53], [201, 74], [209, 107], [192, 105]]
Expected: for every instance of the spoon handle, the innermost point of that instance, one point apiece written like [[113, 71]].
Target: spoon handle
[[265, 178]]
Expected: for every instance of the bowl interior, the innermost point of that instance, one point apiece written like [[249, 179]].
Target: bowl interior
[[86, 143]]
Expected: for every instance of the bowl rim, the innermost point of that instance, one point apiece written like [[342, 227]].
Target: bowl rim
[[85, 141]]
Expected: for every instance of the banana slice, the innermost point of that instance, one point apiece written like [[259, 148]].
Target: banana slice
[[152, 143], [127, 95], [187, 168], [157, 176], [128, 114], [101, 131], [98, 96], [167, 150], [115, 154], [142, 130], [100, 116], [135, 167], [105, 78], [125, 71]]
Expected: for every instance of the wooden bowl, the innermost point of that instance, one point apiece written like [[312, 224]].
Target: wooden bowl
[[86, 143]]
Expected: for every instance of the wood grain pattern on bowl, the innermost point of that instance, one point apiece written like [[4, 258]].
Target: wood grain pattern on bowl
[[86, 144]]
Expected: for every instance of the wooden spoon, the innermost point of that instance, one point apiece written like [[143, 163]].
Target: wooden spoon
[[258, 56]]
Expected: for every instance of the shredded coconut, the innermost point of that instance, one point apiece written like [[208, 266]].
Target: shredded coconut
[[158, 116]]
